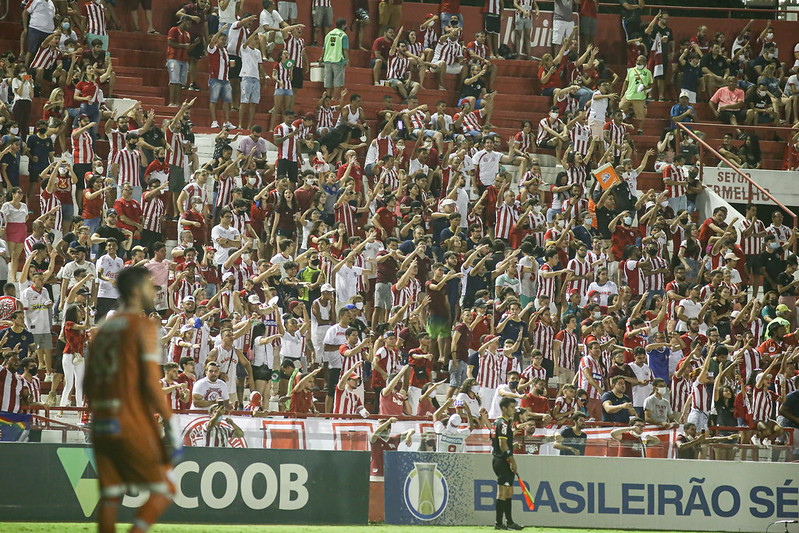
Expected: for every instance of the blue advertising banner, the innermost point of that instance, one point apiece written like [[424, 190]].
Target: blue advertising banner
[[598, 492]]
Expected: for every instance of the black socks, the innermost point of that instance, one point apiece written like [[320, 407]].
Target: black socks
[[500, 510], [508, 507]]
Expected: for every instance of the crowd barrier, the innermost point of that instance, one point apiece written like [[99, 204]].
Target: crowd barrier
[[588, 492], [58, 483]]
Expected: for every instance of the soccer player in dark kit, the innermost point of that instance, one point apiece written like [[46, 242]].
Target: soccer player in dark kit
[[503, 462]]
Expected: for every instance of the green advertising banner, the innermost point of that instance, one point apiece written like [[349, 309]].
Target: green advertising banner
[[53, 482]]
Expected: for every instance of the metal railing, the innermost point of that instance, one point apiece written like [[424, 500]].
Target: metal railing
[[704, 146]]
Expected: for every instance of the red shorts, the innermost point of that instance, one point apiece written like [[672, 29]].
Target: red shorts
[[122, 462]]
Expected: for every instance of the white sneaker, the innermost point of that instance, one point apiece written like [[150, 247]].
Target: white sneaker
[[215, 124], [229, 126], [48, 378]]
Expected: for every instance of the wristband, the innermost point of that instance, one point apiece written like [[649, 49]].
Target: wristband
[[508, 453]]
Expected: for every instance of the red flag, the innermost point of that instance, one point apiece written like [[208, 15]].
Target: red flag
[[527, 497]]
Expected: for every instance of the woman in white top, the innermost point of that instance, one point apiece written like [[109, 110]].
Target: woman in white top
[[22, 89], [16, 215], [265, 357], [603, 287]]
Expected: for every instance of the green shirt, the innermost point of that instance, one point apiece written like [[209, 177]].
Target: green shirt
[[336, 41], [635, 78]]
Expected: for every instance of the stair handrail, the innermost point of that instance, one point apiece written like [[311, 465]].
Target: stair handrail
[[704, 145]]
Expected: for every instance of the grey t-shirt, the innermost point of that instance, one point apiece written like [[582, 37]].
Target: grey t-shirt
[[563, 10], [660, 408]]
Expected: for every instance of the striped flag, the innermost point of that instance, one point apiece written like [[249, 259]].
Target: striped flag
[[655, 64], [14, 427]]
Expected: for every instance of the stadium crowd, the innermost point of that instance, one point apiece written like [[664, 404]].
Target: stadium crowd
[[381, 253]]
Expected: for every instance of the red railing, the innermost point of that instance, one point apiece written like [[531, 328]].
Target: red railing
[[685, 130], [726, 10]]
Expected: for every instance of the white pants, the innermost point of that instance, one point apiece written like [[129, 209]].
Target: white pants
[[699, 418], [486, 397], [414, 395], [73, 377]]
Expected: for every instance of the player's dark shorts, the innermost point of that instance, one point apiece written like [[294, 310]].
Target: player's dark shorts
[[262, 373], [333, 375], [492, 23], [503, 471]]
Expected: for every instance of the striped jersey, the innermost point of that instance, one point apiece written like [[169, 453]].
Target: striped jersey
[[568, 349], [82, 149], [129, 166]]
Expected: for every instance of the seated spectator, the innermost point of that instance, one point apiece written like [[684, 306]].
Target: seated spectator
[[682, 111], [749, 152], [380, 52], [760, 106], [398, 72], [715, 69], [728, 150], [448, 56], [728, 104]]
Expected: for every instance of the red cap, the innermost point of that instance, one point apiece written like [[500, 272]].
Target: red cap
[[429, 16], [573, 291], [203, 302]]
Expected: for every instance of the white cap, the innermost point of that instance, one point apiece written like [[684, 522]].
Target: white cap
[[226, 276], [188, 299], [327, 287], [253, 299], [685, 94], [448, 201], [273, 301]]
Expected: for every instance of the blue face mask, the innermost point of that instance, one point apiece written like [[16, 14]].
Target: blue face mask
[[513, 385]]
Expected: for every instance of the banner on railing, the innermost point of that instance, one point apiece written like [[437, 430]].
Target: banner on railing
[[14, 427], [355, 434], [733, 188], [453, 489], [51, 482]]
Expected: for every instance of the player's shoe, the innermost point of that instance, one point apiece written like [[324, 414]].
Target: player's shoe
[[514, 526], [500, 526]]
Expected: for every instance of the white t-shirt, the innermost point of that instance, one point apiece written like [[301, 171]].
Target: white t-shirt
[[335, 336], [291, 345], [68, 272], [14, 215], [271, 20], [370, 251], [250, 59], [228, 16], [37, 310], [25, 89], [210, 391], [42, 15], [527, 287], [474, 406], [599, 107], [347, 282], [641, 392], [690, 309], [604, 291], [450, 440], [494, 411], [110, 267], [434, 121], [221, 254], [488, 165]]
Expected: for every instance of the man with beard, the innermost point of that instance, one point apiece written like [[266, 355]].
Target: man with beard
[[335, 337]]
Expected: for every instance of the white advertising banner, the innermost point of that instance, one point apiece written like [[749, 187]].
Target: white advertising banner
[[593, 492], [733, 188]]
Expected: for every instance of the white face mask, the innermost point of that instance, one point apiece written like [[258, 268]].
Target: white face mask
[[99, 170], [762, 93], [664, 204], [536, 208], [62, 171], [553, 116], [628, 221], [662, 391], [14, 130], [358, 305], [640, 66], [768, 55], [251, 181], [597, 315], [589, 221], [559, 223]]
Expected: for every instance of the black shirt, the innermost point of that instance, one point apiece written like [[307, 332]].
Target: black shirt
[[630, 16], [571, 439], [716, 65], [758, 102], [502, 429], [785, 279], [603, 218], [622, 416], [107, 232], [24, 338], [41, 148]]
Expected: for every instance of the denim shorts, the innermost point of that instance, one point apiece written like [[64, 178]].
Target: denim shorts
[[178, 71], [250, 90], [284, 92], [220, 89]]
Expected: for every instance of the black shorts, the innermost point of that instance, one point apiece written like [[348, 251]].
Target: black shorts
[[296, 78], [333, 375], [58, 366], [502, 470], [753, 262], [287, 168], [492, 23], [739, 115], [235, 67], [197, 51], [241, 372], [262, 373], [176, 178]]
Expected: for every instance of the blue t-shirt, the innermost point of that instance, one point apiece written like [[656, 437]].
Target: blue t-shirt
[[622, 416], [474, 361], [659, 363], [677, 110], [511, 331], [24, 338]]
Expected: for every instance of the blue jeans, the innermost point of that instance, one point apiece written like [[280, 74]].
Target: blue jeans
[[67, 212], [93, 111], [584, 94]]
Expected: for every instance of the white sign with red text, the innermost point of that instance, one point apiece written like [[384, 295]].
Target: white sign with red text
[[733, 188]]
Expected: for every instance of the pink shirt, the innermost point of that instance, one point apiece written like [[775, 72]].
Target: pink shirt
[[725, 96]]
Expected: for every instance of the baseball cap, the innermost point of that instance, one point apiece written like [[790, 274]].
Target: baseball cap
[[490, 338], [684, 95], [293, 305], [226, 276], [327, 287], [480, 303], [350, 307], [253, 299], [187, 327], [389, 333], [429, 16], [189, 299], [731, 256], [80, 249], [573, 291], [110, 211], [84, 291], [782, 308], [448, 201], [82, 116], [139, 248]]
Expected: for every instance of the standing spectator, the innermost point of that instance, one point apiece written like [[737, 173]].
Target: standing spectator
[[38, 20], [562, 24], [643, 374], [93, 24], [631, 18], [218, 432], [492, 24], [238, 33], [523, 24], [177, 58], [219, 77], [129, 212], [270, 23], [251, 74], [616, 405], [288, 10], [126, 166], [108, 267], [728, 103], [632, 442], [690, 74], [198, 35], [389, 14], [22, 89], [40, 151], [588, 10], [636, 86], [321, 18], [147, 7], [335, 56], [382, 441]]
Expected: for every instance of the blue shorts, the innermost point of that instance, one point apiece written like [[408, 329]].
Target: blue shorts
[[178, 71], [220, 89], [420, 133], [250, 90], [478, 102], [284, 92]]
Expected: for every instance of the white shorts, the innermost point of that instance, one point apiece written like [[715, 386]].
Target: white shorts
[[451, 69], [414, 395], [561, 29], [486, 397], [699, 418], [597, 127], [318, 341]]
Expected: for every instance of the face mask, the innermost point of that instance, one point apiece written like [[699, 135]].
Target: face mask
[[251, 181], [309, 181], [597, 315], [639, 67], [359, 305], [314, 262], [99, 170], [160, 159], [513, 385], [762, 93], [33, 370], [42, 130], [664, 204], [628, 221], [560, 223], [652, 251], [62, 171], [123, 129], [662, 391], [553, 116], [768, 56], [65, 26], [70, 50], [589, 221], [14, 130], [769, 36], [773, 245], [537, 208]]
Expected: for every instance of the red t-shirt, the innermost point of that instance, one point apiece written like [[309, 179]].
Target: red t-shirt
[[92, 208], [356, 173], [179, 36], [129, 208], [620, 239], [387, 219], [536, 404], [197, 231], [87, 89], [630, 446], [421, 368], [379, 446], [75, 338], [381, 45], [301, 402], [183, 378], [305, 197], [392, 404]]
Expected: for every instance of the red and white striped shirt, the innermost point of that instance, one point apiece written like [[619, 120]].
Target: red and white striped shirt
[[700, 397], [325, 117], [751, 361], [116, 142], [94, 13], [416, 48], [321, 3], [172, 398], [348, 361], [595, 369], [218, 436], [675, 173], [240, 222], [34, 388], [388, 360], [174, 150], [579, 268], [428, 36], [282, 75], [449, 52], [295, 46], [48, 201], [543, 134], [524, 142], [237, 36], [10, 391], [618, 133], [225, 192], [530, 373], [493, 7], [193, 189], [763, 404], [634, 276], [580, 136], [390, 178], [680, 390], [186, 287], [345, 213], [288, 148], [152, 212], [218, 63], [82, 149], [546, 286], [541, 338], [656, 282], [752, 245], [45, 57], [409, 293], [397, 67], [492, 369], [507, 217], [568, 349], [480, 50], [576, 174], [347, 402], [30, 240], [563, 406], [129, 162]]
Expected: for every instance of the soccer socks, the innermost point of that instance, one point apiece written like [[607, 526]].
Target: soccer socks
[[508, 507], [500, 509], [107, 519], [149, 512]]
